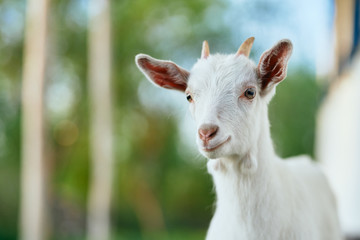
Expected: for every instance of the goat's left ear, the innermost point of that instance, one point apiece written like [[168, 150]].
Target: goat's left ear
[[273, 65], [162, 73]]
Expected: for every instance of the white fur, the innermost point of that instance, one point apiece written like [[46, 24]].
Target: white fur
[[259, 195]]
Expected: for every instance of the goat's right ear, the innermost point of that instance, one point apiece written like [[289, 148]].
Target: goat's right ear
[[165, 74]]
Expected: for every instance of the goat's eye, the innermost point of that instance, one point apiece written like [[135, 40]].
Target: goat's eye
[[189, 97], [250, 93]]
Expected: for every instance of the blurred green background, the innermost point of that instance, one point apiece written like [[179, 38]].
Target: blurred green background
[[161, 189]]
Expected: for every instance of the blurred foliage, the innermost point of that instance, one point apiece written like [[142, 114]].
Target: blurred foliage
[[158, 194], [292, 114]]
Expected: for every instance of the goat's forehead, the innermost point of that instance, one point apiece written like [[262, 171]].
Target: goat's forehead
[[222, 70]]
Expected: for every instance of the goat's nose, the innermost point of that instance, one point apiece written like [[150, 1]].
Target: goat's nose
[[207, 131]]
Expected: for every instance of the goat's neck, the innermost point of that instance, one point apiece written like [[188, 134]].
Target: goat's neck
[[239, 189]]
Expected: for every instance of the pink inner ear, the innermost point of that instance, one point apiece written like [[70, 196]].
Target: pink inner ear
[[273, 64], [166, 74]]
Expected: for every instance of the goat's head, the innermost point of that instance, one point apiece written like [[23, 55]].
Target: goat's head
[[226, 93]]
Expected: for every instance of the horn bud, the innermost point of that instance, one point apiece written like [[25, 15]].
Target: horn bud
[[245, 48], [205, 52]]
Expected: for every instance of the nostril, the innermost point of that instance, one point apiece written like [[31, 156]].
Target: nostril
[[213, 132], [207, 131]]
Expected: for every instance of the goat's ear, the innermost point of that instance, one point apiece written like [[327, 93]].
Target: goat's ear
[[165, 74], [273, 65]]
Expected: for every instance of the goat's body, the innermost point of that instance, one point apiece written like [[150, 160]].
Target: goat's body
[[288, 199]]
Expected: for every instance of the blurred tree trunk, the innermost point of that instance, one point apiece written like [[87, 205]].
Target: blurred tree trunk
[[99, 74], [32, 206]]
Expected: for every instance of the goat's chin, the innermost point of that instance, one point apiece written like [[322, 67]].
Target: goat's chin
[[211, 155]]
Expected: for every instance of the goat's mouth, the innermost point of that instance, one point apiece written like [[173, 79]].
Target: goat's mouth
[[207, 148]]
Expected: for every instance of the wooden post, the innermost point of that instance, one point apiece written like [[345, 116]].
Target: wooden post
[[338, 129]]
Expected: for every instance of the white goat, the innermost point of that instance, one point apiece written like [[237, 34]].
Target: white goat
[[259, 196]]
